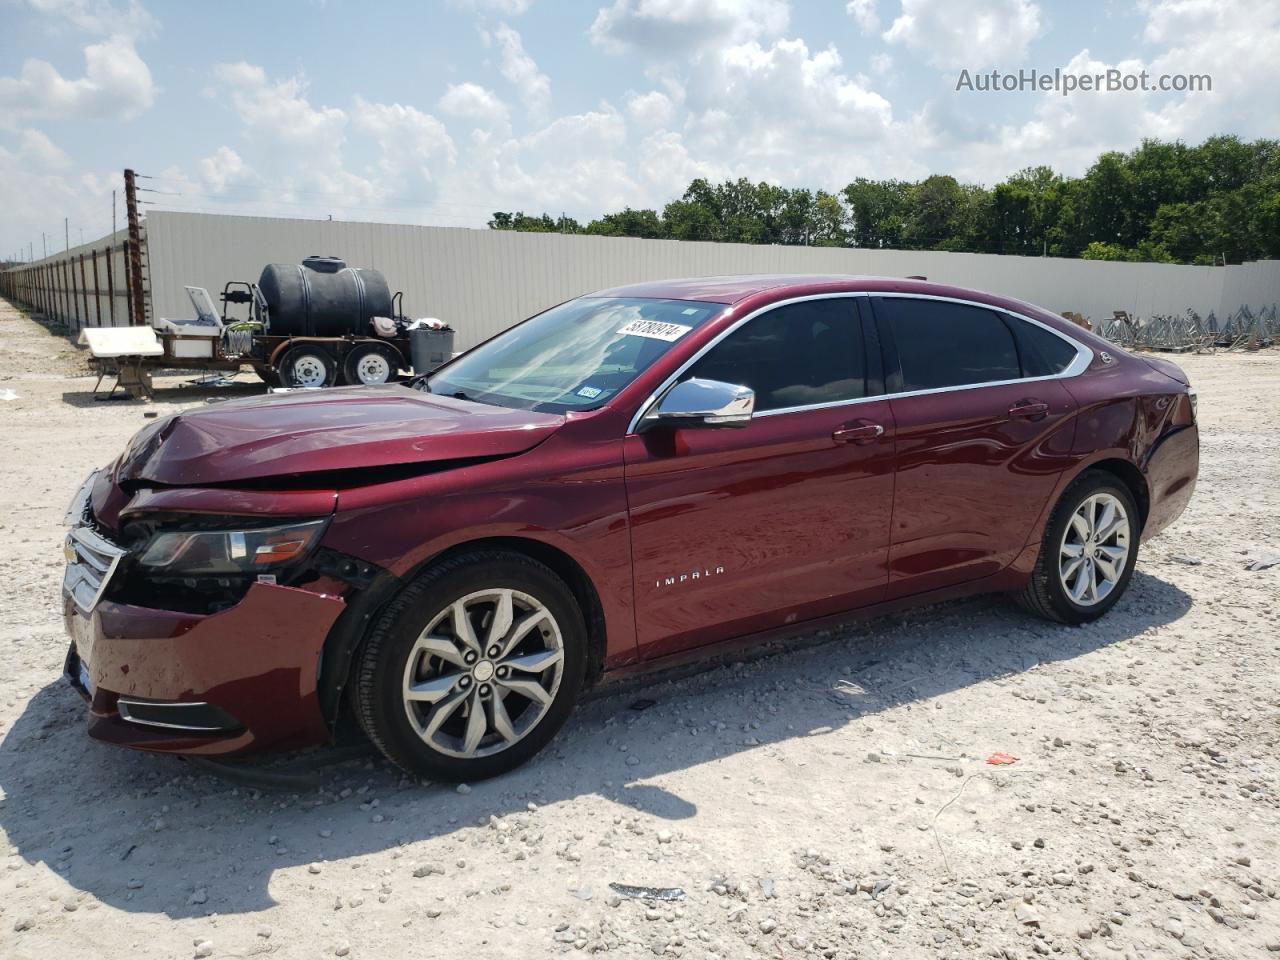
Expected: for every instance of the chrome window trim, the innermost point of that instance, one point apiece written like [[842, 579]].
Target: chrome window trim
[[123, 704], [1084, 355]]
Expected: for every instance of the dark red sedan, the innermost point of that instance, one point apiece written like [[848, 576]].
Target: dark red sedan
[[628, 477]]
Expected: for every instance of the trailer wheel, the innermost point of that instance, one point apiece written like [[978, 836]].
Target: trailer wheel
[[371, 363], [307, 365]]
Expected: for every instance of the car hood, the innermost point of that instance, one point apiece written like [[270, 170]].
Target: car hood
[[325, 430]]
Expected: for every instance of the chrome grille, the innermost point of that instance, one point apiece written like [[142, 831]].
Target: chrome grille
[[91, 557], [91, 560]]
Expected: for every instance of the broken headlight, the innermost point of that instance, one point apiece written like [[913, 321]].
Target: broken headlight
[[214, 552]]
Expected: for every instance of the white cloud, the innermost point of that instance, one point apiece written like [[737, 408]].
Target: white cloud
[[674, 29], [786, 114], [470, 101], [1237, 43], [41, 152], [864, 14], [101, 16], [116, 84], [40, 189], [520, 70], [412, 143], [967, 33], [301, 148], [224, 169], [652, 109], [503, 8], [280, 109]]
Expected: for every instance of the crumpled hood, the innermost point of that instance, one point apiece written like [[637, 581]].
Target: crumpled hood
[[342, 429]]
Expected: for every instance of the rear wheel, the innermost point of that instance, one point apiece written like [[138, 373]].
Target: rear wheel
[[1088, 553], [371, 363], [307, 365], [473, 668]]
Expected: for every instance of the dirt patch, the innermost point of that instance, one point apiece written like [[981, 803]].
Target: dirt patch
[[831, 801]]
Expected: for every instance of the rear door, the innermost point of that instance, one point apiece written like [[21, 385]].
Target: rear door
[[738, 530], [984, 430]]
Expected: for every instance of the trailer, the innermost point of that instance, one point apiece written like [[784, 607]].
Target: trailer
[[315, 324]]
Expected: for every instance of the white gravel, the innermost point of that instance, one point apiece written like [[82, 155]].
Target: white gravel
[[828, 801]]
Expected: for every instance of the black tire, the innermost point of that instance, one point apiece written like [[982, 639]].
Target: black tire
[[1044, 594], [382, 664], [302, 363], [360, 354]]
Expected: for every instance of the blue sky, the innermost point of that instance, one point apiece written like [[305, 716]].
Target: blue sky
[[442, 112]]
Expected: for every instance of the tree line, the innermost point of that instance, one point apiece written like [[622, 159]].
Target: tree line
[[1163, 202]]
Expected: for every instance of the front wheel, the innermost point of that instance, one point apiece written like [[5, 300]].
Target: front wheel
[[1088, 554], [473, 668]]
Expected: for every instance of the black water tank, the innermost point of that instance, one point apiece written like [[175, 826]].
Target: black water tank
[[323, 297]]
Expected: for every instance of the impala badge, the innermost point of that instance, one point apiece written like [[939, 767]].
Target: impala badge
[[687, 577]]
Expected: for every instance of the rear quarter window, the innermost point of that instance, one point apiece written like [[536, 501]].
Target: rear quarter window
[[1043, 354]]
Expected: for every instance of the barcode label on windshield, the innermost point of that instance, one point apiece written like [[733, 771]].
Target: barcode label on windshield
[[655, 330]]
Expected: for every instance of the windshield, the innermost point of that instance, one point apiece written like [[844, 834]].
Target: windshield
[[573, 357]]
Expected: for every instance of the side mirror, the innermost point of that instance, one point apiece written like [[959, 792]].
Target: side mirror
[[702, 403]]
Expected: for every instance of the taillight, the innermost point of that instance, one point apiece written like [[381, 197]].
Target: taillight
[[1184, 413]]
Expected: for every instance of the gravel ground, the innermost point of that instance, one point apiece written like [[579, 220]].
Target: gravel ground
[[832, 799]]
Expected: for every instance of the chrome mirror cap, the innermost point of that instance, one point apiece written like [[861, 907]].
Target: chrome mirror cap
[[698, 402]]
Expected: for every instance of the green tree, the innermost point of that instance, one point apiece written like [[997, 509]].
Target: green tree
[[628, 223]]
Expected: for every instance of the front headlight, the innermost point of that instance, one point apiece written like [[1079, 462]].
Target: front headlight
[[195, 552], [76, 509]]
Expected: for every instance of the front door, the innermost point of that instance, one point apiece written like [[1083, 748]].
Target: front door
[[742, 529]]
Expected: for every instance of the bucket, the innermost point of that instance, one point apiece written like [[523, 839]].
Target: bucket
[[429, 348]]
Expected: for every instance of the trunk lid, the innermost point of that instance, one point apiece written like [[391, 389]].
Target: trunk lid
[[1168, 368]]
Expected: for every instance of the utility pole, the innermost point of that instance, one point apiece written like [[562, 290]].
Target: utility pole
[[138, 307], [113, 214], [66, 233], [44, 244]]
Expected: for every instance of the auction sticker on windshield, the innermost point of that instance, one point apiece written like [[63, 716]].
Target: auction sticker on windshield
[[655, 330]]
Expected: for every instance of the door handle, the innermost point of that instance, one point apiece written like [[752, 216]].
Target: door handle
[[863, 433], [1029, 409]]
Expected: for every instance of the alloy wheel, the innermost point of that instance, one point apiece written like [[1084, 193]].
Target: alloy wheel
[[483, 673], [1094, 549]]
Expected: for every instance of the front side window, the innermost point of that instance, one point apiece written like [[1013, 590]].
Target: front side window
[[572, 357], [796, 355], [943, 344]]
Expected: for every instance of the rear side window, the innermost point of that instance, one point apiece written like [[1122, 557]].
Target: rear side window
[[942, 344], [797, 355], [1043, 354]]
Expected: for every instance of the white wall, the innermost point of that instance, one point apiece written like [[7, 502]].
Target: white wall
[[482, 281]]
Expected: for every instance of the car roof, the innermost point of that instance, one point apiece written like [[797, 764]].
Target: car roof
[[732, 289], [763, 289]]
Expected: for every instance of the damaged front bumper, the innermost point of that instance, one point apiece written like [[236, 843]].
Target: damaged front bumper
[[223, 683]]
